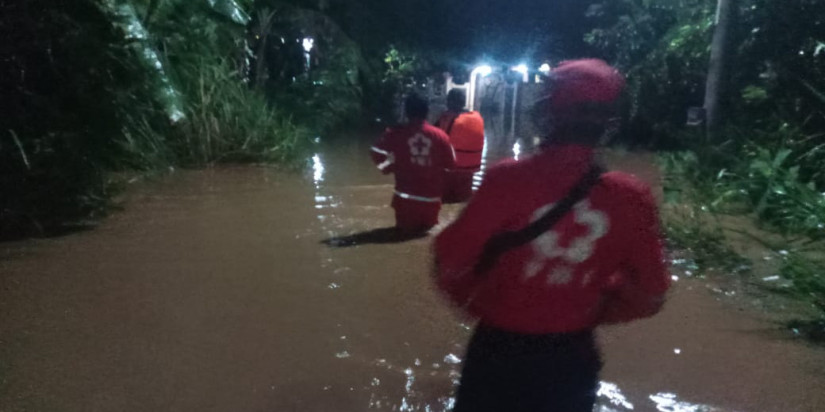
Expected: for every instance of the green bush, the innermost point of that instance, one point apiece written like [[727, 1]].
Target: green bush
[[95, 86], [762, 182]]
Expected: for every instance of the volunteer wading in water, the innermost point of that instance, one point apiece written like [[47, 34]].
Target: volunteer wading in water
[[466, 131], [419, 155], [548, 249]]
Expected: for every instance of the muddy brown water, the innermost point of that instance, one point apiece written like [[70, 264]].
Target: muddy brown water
[[211, 291]]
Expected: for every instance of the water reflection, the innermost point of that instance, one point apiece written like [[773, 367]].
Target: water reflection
[[611, 393], [423, 383], [318, 170], [479, 176], [668, 402], [415, 390]]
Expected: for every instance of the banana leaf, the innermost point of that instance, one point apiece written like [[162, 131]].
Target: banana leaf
[[230, 9], [123, 16]]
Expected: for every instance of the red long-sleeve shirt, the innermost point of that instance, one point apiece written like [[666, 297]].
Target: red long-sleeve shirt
[[602, 263], [418, 154]]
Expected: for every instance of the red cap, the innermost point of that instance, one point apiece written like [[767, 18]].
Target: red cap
[[585, 80]]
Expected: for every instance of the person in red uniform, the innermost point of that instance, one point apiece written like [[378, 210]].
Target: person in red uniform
[[419, 155], [539, 301], [466, 131]]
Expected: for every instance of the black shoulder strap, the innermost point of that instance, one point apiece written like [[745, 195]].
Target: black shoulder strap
[[501, 243], [452, 122]]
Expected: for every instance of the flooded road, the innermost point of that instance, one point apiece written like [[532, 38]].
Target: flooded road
[[213, 291]]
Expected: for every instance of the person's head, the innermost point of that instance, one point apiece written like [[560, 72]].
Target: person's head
[[416, 108], [581, 101], [456, 99]]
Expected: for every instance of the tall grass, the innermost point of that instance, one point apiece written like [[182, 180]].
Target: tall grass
[[228, 122]]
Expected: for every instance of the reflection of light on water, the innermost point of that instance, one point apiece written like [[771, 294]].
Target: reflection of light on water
[[452, 359], [410, 379], [318, 169], [411, 399], [612, 392], [516, 150], [479, 176], [404, 406], [667, 402]]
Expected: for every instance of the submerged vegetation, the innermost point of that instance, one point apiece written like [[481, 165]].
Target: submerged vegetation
[[779, 215]]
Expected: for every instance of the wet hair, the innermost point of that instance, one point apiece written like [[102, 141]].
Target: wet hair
[[416, 107], [456, 100]]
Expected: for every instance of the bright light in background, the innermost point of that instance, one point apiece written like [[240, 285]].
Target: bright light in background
[[516, 150], [309, 44], [545, 68], [318, 169], [483, 70], [522, 68]]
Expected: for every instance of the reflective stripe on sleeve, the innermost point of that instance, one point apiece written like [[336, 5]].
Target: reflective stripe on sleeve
[[377, 150], [418, 198], [385, 165]]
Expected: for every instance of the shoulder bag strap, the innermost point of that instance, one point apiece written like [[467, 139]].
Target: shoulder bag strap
[[501, 243]]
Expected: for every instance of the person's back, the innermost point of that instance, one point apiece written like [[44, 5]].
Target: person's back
[[419, 155], [539, 300], [466, 132], [555, 283]]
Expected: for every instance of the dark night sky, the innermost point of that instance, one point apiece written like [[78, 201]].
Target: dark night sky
[[468, 31], [522, 29]]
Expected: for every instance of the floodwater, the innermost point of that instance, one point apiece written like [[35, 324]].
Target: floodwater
[[213, 291]]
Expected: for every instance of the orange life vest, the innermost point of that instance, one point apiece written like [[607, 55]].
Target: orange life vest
[[467, 137]]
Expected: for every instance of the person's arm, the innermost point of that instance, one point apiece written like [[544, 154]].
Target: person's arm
[[443, 121], [443, 152], [448, 160], [381, 154], [459, 246], [644, 277]]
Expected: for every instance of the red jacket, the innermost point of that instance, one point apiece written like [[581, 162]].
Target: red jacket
[[602, 263], [418, 154]]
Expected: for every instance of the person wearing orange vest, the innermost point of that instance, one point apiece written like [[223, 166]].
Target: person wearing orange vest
[[466, 131]]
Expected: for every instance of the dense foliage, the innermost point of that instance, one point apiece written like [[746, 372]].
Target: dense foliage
[[95, 86], [767, 160]]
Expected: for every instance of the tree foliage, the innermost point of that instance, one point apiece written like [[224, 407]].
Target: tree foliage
[[94, 86], [776, 78]]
